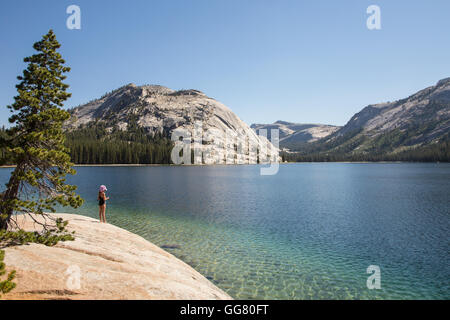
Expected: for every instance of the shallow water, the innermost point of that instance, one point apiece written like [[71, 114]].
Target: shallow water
[[308, 232]]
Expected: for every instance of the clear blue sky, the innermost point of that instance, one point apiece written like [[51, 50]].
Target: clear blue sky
[[301, 61]]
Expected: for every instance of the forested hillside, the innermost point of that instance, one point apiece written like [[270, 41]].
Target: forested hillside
[[94, 144]]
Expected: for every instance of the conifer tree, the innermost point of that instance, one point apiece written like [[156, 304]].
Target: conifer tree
[[6, 285], [35, 142]]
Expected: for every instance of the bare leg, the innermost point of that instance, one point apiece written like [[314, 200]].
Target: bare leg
[[104, 213], [100, 208]]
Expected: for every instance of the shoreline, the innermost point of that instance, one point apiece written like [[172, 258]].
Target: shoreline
[[97, 264], [235, 164]]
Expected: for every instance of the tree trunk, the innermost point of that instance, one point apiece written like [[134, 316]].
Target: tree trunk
[[3, 224], [10, 194]]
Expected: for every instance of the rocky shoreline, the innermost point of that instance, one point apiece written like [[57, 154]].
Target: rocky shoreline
[[103, 262]]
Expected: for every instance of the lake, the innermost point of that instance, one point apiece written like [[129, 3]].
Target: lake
[[308, 232]]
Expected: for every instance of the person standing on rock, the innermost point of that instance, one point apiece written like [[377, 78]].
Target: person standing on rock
[[102, 203]]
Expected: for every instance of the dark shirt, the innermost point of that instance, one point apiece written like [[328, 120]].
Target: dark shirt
[[101, 198]]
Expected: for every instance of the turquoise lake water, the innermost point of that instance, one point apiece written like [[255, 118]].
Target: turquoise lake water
[[308, 232]]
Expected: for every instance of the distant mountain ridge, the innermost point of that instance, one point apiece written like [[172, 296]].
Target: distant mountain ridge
[[427, 105], [290, 132], [413, 128]]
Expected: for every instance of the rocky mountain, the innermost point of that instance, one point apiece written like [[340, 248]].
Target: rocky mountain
[[290, 132], [428, 106], [410, 129], [159, 110], [392, 130]]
